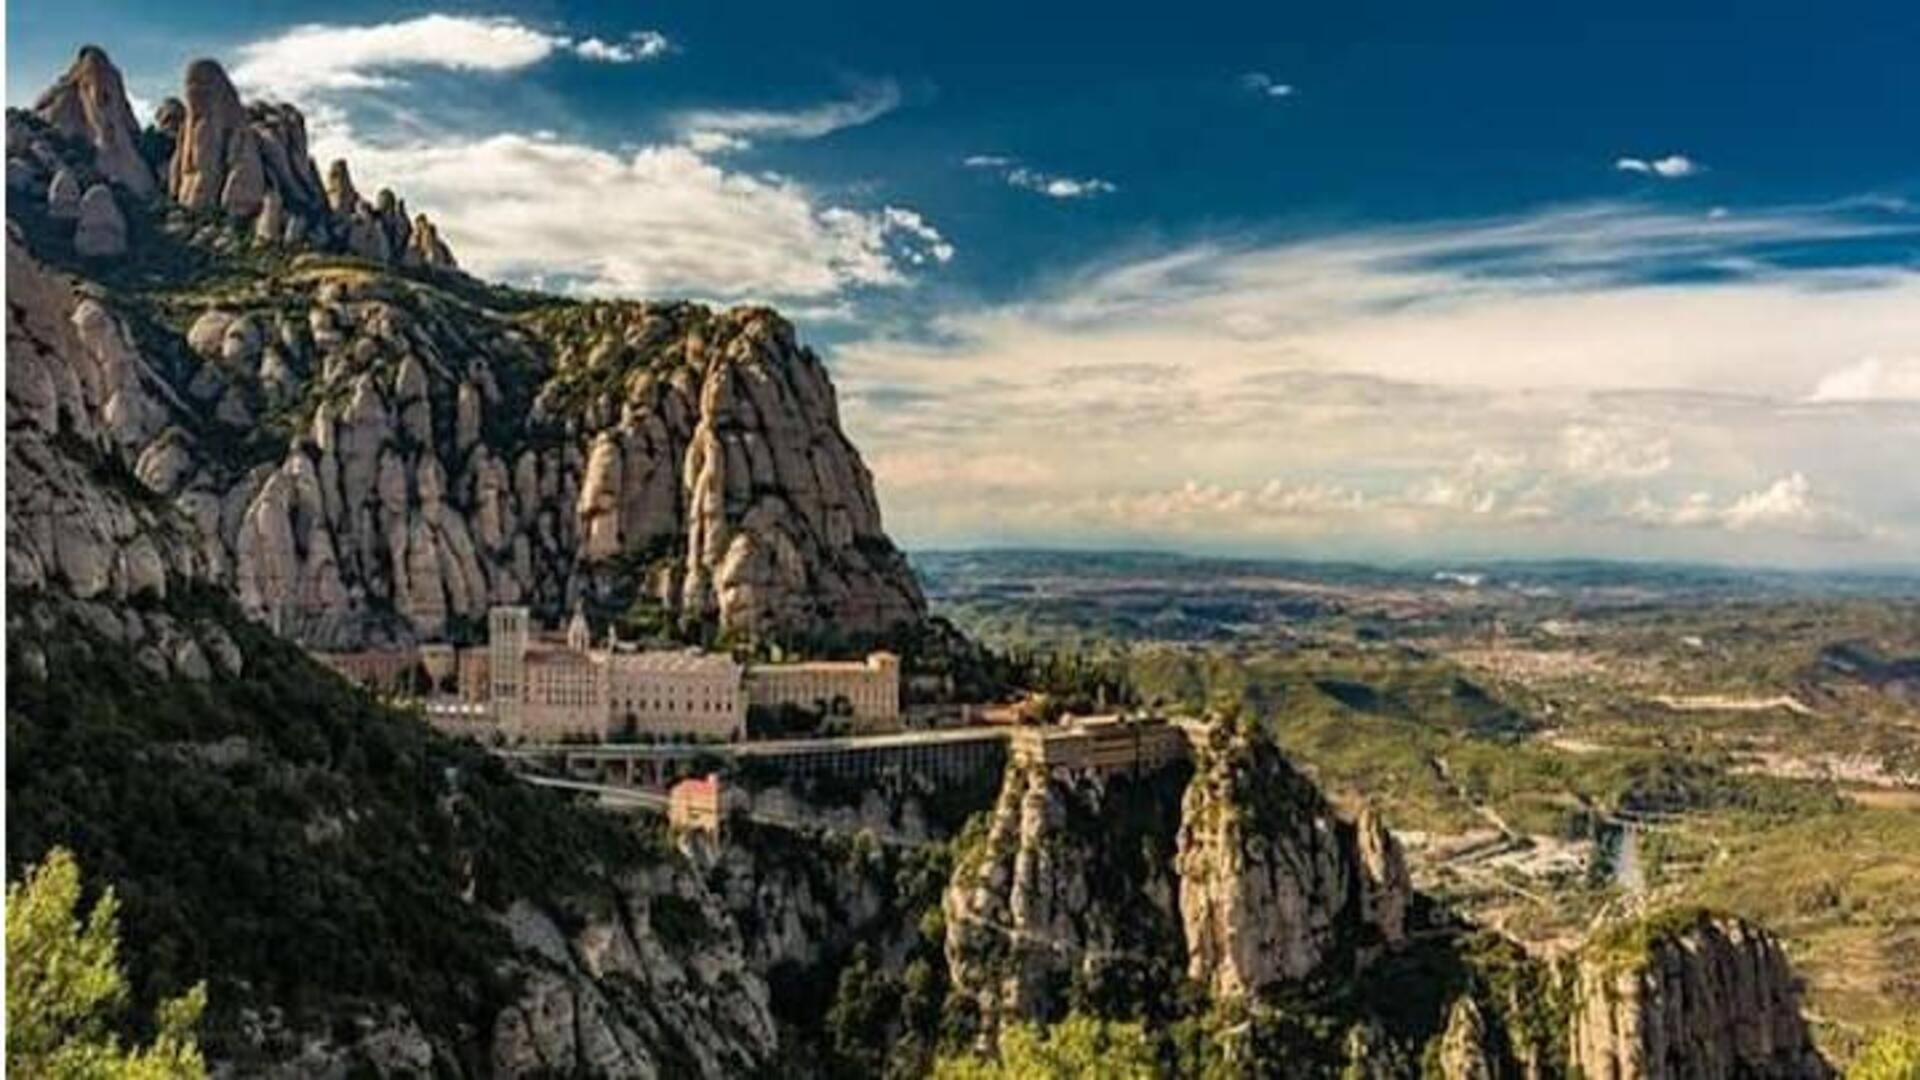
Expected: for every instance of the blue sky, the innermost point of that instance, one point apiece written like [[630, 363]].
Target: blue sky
[[1376, 279]]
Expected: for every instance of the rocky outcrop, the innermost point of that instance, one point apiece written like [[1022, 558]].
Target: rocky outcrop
[[216, 162], [213, 152], [63, 195], [1386, 886], [425, 248], [1070, 893], [89, 103], [101, 231], [1275, 887], [450, 458], [657, 986], [1688, 994], [1465, 1045], [80, 399]]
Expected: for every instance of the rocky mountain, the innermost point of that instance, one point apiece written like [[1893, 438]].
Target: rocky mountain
[[1273, 886], [1068, 896], [1689, 994], [1233, 876], [367, 445], [273, 404]]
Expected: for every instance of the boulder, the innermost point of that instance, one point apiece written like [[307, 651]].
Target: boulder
[[170, 116], [63, 195], [102, 230]]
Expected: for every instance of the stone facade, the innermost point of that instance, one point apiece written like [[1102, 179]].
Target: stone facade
[[1100, 743], [544, 691], [867, 690]]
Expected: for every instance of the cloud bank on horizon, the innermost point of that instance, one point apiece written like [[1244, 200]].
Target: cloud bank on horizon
[[1221, 324]]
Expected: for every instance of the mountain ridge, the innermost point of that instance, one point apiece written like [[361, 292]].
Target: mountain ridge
[[374, 448], [220, 426]]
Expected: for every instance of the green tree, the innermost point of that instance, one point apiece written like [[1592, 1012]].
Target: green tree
[[1078, 1048], [65, 988], [1893, 1055]]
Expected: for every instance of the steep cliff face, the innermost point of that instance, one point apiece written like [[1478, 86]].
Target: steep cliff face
[[1273, 886], [1688, 994], [364, 454], [1068, 897], [1089, 887], [657, 984], [80, 402]]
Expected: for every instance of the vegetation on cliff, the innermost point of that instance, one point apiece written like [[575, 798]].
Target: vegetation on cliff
[[310, 854]]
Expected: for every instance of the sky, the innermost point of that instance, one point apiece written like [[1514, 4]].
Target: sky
[[1389, 281]]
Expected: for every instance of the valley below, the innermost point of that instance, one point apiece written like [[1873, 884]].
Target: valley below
[[1552, 742]]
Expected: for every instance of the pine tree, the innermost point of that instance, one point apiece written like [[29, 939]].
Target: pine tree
[[65, 988]]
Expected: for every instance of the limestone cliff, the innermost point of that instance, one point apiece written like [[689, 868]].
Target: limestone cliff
[[1688, 995], [657, 985], [1274, 887], [1068, 896], [1235, 871], [379, 449], [81, 401]]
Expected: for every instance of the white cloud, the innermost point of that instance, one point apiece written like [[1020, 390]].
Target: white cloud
[[1671, 167], [736, 128], [1259, 82], [1786, 505], [331, 57], [1049, 184], [639, 46], [653, 220], [1872, 379], [658, 221], [1614, 453], [1508, 385], [909, 223], [1060, 187]]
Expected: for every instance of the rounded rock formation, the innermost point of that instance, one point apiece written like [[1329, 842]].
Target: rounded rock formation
[[102, 229]]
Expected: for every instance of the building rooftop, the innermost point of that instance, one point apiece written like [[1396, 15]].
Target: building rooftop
[[685, 662]]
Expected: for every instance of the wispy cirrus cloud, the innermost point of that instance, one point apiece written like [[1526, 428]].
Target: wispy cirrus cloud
[[1561, 381], [733, 129], [334, 57]]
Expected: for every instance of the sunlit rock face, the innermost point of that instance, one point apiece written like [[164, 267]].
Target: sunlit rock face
[[366, 457], [1689, 995], [1273, 885]]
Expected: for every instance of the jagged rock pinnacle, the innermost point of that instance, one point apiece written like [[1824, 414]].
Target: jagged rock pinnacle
[[211, 150], [89, 102]]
